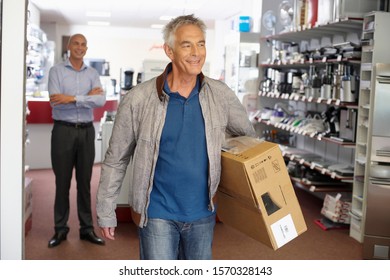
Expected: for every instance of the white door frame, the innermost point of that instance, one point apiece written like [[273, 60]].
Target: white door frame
[[12, 128]]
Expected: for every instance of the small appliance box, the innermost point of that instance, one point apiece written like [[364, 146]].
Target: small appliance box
[[337, 209], [255, 194]]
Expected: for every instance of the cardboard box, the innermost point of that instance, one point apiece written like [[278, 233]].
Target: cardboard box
[[256, 195]]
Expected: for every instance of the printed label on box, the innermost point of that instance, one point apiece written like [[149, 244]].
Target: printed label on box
[[284, 230]]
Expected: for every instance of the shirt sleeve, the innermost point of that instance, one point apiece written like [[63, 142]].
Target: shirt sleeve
[[54, 82]]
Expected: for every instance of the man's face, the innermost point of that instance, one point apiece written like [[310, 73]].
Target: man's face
[[77, 47], [189, 51]]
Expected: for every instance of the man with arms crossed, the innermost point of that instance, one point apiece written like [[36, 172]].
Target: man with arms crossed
[[74, 89]]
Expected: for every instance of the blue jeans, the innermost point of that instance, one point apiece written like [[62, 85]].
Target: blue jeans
[[172, 240]]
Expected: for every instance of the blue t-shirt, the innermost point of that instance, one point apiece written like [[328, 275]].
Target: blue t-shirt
[[180, 187]]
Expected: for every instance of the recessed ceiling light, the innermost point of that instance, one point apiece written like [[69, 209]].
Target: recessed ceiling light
[[98, 14], [99, 23]]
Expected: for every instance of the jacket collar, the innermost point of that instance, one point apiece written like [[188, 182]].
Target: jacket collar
[[162, 78]]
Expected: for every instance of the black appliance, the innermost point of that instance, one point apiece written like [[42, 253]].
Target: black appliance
[[127, 79]]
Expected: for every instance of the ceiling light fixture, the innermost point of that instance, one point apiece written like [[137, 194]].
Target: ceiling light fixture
[[98, 14]]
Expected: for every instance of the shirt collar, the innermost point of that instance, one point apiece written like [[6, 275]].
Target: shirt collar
[[69, 65]]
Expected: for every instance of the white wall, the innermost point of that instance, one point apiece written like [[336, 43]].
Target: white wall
[[122, 47]]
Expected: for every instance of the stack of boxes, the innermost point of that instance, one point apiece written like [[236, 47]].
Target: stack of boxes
[[337, 209]]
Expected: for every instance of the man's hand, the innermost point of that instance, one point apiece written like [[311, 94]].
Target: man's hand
[[59, 98], [108, 232], [96, 91]]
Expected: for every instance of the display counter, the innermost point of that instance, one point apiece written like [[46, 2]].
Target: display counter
[[40, 110], [39, 126]]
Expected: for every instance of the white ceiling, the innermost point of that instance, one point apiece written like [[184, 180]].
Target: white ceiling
[[137, 13]]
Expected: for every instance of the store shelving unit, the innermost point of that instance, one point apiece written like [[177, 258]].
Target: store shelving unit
[[330, 149], [36, 59], [374, 50]]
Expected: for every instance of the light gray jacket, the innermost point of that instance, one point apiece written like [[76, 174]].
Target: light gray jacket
[[137, 131]]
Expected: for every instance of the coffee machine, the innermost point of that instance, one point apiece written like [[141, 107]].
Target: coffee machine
[[127, 75]]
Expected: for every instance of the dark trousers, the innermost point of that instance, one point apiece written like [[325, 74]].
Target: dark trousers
[[72, 147]]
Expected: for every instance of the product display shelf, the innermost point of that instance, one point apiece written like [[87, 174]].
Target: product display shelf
[[323, 170], [312, 135], [374, 50], [346, 30], [317, 187], [307, 63], [340, 27], [301, 98]]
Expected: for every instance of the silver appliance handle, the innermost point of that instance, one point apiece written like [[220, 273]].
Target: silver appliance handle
[[383, 79], [378, 184]]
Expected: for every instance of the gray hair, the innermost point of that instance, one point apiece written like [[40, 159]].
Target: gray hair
[[170, 29]]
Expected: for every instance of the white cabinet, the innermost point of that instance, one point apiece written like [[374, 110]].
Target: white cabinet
[[241, 62], [374, 50]]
